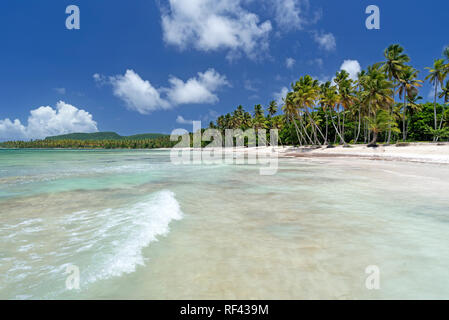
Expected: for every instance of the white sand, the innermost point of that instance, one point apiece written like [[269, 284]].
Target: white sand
[[416, 152]]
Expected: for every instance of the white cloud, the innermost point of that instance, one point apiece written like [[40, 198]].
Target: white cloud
[[196, 90], [352, 67], [326, 41], [100, 79], [290, 62], [46, 121], [278, 96], [140, 95], [181, 120], [210, 25], [293, 14], [60, 91]]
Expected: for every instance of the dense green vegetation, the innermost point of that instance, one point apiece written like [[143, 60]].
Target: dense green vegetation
[[364, 110], [160, 142], [104, 136], [103, 140]]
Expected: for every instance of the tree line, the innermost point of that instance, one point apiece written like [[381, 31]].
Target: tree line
[[160, 142]]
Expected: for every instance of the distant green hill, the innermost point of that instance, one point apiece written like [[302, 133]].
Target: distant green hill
[[104, 136], [144, 136]]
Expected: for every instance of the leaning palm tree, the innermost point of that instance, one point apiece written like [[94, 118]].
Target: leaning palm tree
[[306, 95], [376, 95], [445, 96], [329, 100], [393, 65], [382, 121], [445, 93], [408, 89], [291, 114], [436, 76]]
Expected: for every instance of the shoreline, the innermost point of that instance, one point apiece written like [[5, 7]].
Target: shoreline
[[419, 153], [436, 153], [413, 152]]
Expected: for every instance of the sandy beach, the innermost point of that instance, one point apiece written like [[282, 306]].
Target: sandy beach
[[413, 152]]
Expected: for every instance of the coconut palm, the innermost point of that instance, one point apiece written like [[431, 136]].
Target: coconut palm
[[306, 95], [291, 114], [272, 108], [408, 89], [436, 76], [445, 93], [258, 111], [377, 95], [328, 100], [394, 64], [346, 93], [381, 122]]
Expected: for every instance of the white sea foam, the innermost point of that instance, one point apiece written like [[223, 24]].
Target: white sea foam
[[125, 232]]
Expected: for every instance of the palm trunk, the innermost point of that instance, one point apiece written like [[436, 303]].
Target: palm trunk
[[435, 108], [404, 113], [327, 127], [297, 131], [389, 125], [305, 130], [316, 127], [342, 140], [358, 130], [374, 141]]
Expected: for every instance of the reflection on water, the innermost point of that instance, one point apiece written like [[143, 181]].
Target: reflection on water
[[139, 227]]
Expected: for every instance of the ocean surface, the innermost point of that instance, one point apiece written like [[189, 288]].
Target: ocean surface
[[135, 226]]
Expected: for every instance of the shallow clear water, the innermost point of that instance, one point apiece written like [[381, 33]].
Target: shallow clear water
[[137, 226]]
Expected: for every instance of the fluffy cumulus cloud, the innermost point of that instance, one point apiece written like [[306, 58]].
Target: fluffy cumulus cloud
[[46, 121], [210, 25], [294, 14], [141, 96], [326, 41], [290, 62], [196, 90], [138, 94], [352, 67]]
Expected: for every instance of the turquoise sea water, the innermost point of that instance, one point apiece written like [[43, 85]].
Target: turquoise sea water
[[137, 226]]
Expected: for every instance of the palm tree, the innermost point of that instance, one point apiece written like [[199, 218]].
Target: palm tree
[[408, 89], [258, 111], [377, 95], [306, 94], [361, 77], [247, 120], [328, 100], [272, 108], [445, 93], [291, 114], [436, 77], [393, 65], [346, 93], [381, 122]]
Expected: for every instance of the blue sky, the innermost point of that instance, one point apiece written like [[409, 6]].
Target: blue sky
[[159, 61]]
